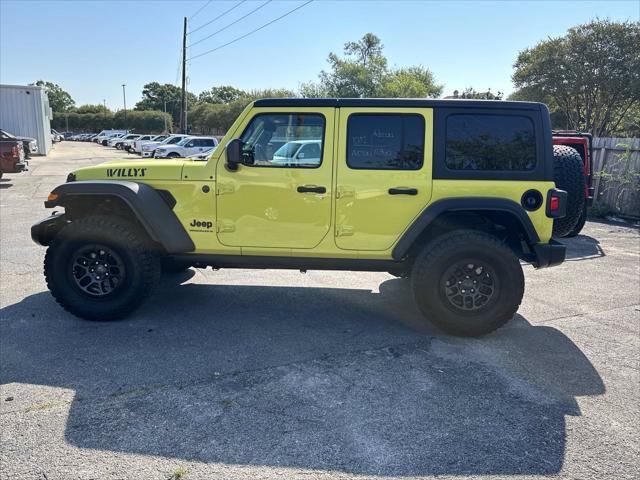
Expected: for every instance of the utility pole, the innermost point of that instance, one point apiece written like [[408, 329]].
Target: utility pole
[[165, 116], [124, 101], [183, 100]]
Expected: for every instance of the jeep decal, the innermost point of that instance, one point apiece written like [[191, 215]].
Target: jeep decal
[[126, 172], [200, 225]]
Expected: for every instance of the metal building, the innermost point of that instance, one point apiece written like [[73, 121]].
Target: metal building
[[25, 111]]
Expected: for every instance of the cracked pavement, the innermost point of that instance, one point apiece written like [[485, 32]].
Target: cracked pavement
[[332, 375]]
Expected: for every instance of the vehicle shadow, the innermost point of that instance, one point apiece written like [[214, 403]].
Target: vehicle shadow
[[5, 183], [582, 247], [315, 378]]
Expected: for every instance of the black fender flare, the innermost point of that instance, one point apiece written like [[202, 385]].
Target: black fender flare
[[147, 204], [458, 205]]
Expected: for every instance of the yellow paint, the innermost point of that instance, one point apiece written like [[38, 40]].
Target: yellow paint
[[258, 211]]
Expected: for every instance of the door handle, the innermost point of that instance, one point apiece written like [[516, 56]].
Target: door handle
[[311, 189], [403, 191]]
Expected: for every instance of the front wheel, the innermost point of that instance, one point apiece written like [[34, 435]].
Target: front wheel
[[467, 283], [173, 155], [100, 268]]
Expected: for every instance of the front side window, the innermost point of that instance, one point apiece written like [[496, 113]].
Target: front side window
[[282, 140], [385, 141], [490, 142]]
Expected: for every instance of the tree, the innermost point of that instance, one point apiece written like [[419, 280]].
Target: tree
[[410, 82], [59, 100], [154, 96], [221, 94], [91, 108], [592, 74], [469, 92], [363, 72]]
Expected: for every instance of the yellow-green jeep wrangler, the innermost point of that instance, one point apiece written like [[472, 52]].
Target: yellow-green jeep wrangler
[[450, 193]]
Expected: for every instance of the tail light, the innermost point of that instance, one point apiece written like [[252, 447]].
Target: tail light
[[14, 151], [556, 203]]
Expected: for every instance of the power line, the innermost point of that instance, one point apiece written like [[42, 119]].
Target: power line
[[200, 9], [251, 32], [219, 16], [231, 24]]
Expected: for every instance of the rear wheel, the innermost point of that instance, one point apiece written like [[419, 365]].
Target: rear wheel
[[467, 283], [569, 176], [100, 268]]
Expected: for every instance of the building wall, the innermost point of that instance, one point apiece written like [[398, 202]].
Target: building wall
[[25, 111]]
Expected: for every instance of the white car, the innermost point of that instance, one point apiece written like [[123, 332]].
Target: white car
[[303, 153], [136, 146], [186, 147], [202, 156], [116, 140], [149, 148], [128, 143], [104, 135]]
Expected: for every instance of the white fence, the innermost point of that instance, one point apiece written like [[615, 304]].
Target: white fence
[[619, 186]]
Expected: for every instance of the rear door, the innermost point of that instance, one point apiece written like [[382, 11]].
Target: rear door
[[383, 174]]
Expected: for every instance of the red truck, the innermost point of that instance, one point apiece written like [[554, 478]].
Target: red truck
[[12, 158], [583, 144]]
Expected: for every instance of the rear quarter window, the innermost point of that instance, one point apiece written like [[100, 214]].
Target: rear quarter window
[[488, 142]]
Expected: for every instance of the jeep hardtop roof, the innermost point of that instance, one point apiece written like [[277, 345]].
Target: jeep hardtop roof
[[397, 103]]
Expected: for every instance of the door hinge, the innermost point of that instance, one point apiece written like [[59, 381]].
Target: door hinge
[[224, 226], [344, 231], [222, 188], [344, 191]]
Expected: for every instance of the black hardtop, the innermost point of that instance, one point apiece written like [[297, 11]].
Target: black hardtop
[[397, 103]]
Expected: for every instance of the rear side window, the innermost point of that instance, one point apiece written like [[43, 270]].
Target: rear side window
[[385, 142], [490, 142]]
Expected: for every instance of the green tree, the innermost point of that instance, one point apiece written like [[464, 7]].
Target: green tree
[[91, 108], [59, 99], [221, 94], [592, 75], [363, 72], [154, 96], [470, 92], [410, 82]]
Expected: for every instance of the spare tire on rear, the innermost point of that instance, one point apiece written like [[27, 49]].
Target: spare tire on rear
[[569, 176]]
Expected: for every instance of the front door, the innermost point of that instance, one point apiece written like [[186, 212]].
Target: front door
[[282, 198], [384, 174]]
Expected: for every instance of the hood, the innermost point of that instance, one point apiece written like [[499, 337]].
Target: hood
[[133, 170], [26, 139]]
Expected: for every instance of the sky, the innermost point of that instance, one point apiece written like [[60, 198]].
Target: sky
[[91, 48]]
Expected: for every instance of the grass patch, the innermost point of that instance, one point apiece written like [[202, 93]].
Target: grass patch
[[178, 474]]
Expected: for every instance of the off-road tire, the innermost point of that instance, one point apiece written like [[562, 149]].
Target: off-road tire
[[141, 267], [580, 225], [171, 266], [568, 176], [467, 247]]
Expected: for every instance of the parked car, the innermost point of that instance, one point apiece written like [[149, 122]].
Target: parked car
[[300, 153], [185, 147], [458, 222], [136, 146], [203, 156], [128, 143], [149, 148], [56, 136], [118, 140], [104, 135], [29, 145], [12, 157]]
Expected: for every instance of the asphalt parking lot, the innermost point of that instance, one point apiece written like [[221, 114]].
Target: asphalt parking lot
[[276, 374]]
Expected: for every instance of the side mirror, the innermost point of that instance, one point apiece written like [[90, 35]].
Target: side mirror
[[234, 154]]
